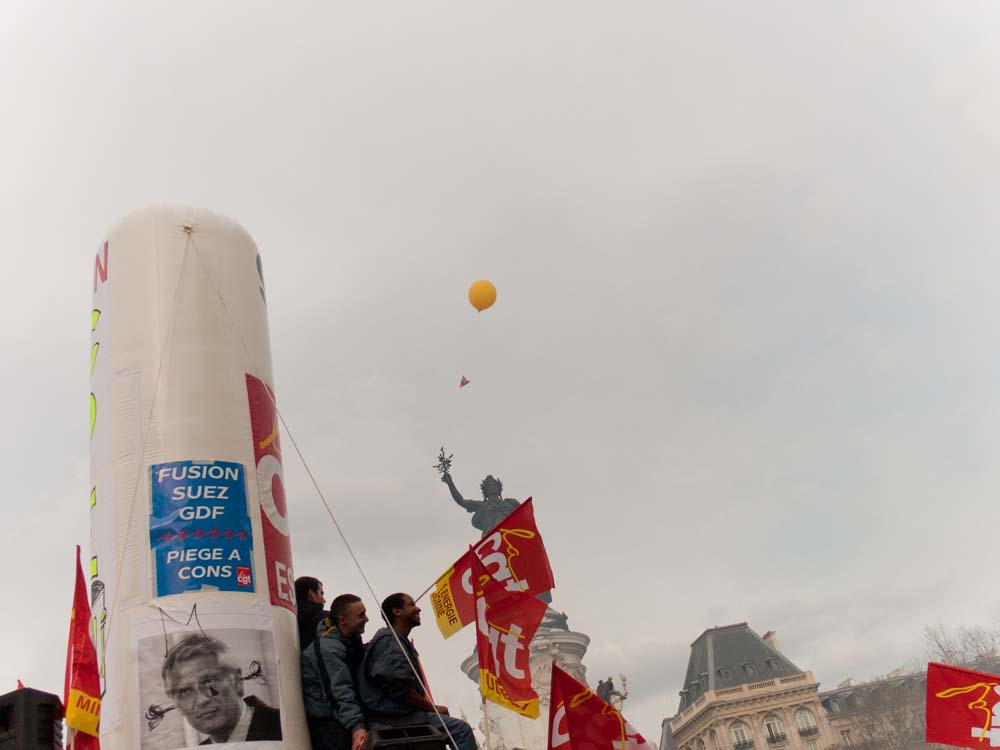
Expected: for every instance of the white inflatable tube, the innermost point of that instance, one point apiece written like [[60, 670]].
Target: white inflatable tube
[[191, 568]]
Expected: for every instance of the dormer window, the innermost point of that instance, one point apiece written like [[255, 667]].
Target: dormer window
[[703, 680], [749, 668], [774, 664], [724, 673]]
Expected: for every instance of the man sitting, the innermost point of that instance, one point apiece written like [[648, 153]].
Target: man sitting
[[329, 671], [390, 692]]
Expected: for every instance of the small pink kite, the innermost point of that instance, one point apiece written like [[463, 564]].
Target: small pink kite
[[465, 382]]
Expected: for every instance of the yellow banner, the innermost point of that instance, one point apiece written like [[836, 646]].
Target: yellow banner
[[443, 603], [493, 691], [83, 712]]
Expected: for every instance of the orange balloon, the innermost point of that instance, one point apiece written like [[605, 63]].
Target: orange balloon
[[482, 294]]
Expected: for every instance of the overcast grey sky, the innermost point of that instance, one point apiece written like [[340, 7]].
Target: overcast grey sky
[[743, 355]]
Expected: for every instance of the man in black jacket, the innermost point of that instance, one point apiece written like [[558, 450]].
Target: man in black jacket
[[309, 601], [329, 674], [388, 687]]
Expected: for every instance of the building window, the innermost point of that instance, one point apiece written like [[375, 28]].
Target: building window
[[724, 673], [774, 731], [805, 722], [845, 736], [812, 745], [741, 736], [715, 740], [835, 705], [703, 680], [749, 668], [700, 745], [774, 664]]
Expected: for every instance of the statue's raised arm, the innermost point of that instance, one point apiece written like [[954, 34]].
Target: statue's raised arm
[[470, 505]]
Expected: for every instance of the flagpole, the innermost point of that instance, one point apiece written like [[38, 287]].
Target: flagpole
[[435, 583], [425, 592], [486, 722]]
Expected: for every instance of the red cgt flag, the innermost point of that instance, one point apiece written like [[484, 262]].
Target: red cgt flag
[[513, 552], [506, 622], [960, 706], [82, 693], [578, 719]]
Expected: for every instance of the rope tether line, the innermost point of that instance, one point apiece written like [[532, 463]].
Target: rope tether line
[[145, 439], [319, 492]]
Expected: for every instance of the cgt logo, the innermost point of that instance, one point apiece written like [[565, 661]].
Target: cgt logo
[[491, 552], [504, 643], [980, 692]]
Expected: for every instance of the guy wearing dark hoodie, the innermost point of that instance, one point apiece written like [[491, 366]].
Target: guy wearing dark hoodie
[[390, 692]]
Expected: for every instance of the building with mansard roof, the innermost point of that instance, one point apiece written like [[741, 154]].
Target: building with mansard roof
[[886, 713], [741, 693]]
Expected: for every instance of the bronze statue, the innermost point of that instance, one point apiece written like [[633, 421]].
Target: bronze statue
[[487, 514], [489, 511]]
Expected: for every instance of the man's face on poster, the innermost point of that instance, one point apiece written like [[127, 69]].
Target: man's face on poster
[[209, 694]]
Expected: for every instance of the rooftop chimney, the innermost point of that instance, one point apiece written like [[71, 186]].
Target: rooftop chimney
[[771, 639]]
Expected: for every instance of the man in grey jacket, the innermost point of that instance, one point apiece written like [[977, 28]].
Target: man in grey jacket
[[390, 692], [329, 674]]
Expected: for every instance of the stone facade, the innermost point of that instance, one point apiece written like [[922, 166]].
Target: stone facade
[[742, 693], [723, 706], [883, 714], [781, 713]]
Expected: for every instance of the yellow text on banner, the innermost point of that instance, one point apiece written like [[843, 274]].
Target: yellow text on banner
[[493, 691]]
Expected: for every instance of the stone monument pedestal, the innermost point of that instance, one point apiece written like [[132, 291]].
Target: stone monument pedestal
[[510, 731]]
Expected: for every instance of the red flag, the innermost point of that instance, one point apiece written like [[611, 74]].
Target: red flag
[[465, 381], [558, 728], [82, 691], [271, 490], [513, 552], [960, 705], [581, 720], [20, 685], [506, 622]]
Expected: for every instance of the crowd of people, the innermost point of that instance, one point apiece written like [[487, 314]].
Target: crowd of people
[[350, 687]]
